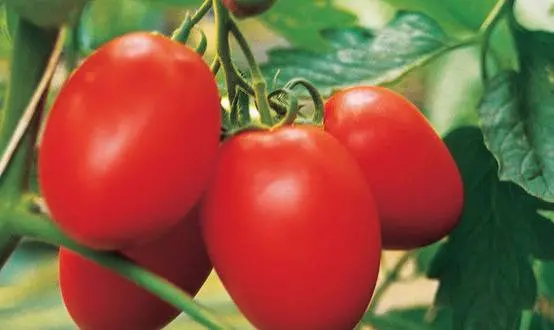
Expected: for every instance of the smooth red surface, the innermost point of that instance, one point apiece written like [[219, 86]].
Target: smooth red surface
[[247, 8], [98, 299], [292, 230], [414, 179], [130, 142]]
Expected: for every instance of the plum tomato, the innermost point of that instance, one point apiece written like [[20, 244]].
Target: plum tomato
[[416, 182], [292, 230], [130, 142]]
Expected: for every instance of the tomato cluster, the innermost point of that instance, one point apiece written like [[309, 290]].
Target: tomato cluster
[[292, 218]]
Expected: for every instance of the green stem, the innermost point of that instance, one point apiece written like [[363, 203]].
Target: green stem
[[183, 32], [280, 108], [202, 44], [224, 49], [31, 52], [485, 32], [215, 66], [258, 81], [32, 48], [41, 228], [389, 280]]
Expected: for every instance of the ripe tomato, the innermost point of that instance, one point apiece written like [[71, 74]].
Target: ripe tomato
[[291, 229], [99, 299], [415, 181], [247, 8], [130, 142]]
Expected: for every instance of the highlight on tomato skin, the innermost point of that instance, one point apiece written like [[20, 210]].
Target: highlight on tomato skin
[[415, 181], [99, 299], [130, 142], [292, 230]]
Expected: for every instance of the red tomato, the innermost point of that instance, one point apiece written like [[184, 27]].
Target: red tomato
[[247, 8], [415, 181], [130, 142], [292, 230], [99, 299]]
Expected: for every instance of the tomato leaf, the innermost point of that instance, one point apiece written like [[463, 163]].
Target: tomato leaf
[[516, 116], [425, 256], [301, 21], [416, 318], [358, 55], [544, 245], [458, 17], [484, 269]]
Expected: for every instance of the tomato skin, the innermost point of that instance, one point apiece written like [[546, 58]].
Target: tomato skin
[[292, 230], [99, 299], [248, 8], [130, 142], [415, 180]]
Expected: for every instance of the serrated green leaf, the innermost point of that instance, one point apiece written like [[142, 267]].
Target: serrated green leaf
[[460, 16], [358, 56], [416, 318], [517, 117], [301, 21], [484, 269]]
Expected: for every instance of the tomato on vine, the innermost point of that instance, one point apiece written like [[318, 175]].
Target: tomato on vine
[[292, 230], [130, 142], [415, 181], [99, 299]]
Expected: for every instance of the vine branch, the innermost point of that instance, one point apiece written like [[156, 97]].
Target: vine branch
[[31, 108], [41, 228], [485, 32], [391, 277]]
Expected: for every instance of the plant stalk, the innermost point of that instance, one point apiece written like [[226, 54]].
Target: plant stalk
[[41, 228]]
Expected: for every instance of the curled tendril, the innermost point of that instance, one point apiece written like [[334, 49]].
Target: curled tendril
[[292, 106], [317, 99]]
